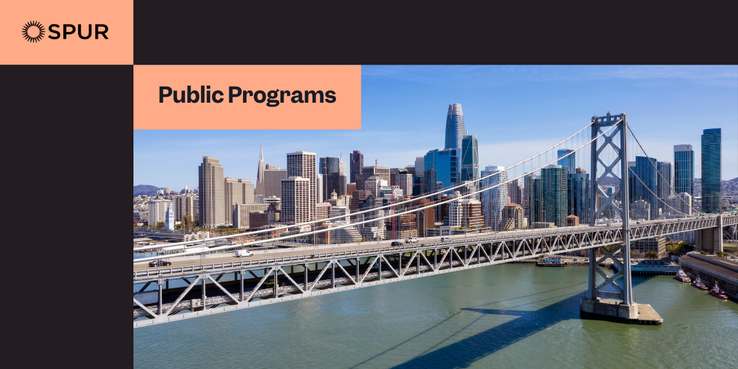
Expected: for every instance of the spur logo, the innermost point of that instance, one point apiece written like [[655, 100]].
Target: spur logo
[[34, 31]]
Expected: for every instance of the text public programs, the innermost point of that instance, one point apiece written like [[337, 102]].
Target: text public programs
[[272, 97]]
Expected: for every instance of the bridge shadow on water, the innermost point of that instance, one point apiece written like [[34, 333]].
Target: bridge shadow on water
[[464, 352]]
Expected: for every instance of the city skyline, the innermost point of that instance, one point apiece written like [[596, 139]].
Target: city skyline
[[666, 106]]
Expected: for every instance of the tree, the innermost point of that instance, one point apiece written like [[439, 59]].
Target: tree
[[652, 254], [187, 222], [159, 225]]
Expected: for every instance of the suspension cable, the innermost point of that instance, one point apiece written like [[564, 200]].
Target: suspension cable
[[657, 170], [414, 199], [227, 247]]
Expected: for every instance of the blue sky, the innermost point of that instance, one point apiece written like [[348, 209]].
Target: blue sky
[[515, 111]]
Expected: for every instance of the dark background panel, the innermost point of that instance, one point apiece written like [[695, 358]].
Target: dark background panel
[[67, 135], [186, 32]]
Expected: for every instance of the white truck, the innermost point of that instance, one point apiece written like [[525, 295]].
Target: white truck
[[240, 253]]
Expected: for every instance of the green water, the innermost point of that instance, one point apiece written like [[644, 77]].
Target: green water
[[506, 316]]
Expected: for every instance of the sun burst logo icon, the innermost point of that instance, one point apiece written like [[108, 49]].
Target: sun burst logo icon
[[33, 31]]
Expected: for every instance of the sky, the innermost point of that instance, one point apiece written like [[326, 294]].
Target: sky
[[514, 111]]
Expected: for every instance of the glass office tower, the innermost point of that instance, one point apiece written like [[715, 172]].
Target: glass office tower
[[646, 188], [469, 158], [441, 169], [454, 127], [684, 170], [554, 183], [711, 193]]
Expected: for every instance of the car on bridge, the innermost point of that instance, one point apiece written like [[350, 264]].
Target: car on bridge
[[244, 253], [411, 240], [159, 262], [396, 243]]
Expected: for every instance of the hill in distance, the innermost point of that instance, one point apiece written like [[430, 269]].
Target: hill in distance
[[147, 190]]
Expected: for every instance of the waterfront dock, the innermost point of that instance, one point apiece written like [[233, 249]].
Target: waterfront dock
[[713, 269]]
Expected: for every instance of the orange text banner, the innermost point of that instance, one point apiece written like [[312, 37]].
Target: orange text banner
[[247, 97]]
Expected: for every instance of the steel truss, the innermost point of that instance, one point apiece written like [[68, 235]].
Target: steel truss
[[256, 283], [624, 293]]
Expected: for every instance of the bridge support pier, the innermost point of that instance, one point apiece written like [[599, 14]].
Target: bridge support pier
[[608, 300], [710, 239]]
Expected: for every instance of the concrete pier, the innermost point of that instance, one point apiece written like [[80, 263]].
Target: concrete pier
[[616, 311]]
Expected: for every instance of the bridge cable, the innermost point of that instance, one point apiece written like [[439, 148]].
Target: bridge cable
[[414, 199], [227, 247]]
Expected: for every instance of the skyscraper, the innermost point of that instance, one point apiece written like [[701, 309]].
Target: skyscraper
[[272, 181], [357, 162], [469, 158], [663, 188], [454, 127], [684, 170], [333, 179], [236, 191], [568, 162], [495, 199], [646, 188], [259, 186], [212, 199], [302, 164], [711, 176], [579, 198], [553, 183], [297, 199], [441, 169], [514, 192]]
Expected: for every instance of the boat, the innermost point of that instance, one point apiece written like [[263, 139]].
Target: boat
[[697, 282], [717, 292], [682, 277], [551, 262]]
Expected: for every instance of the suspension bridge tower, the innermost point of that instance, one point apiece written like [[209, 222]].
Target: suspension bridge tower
[[608, 300]]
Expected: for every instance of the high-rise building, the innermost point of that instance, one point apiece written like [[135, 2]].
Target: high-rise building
[[454, 127], [400, 177], [534, 198], [579, 197], [512, 216], [646, 188], [357, 162], [376, 170], [711, 176], [441, 169], [469, 158], [333, 179], [184, 205], [684, 170], [273, 181], [663, 188], [553, 183], [328, 164], [515, 192], [259, 186], [157, 211], [568, 162], [302, 164], [236, 191], [495, 199], [297, 196], [212, 196]]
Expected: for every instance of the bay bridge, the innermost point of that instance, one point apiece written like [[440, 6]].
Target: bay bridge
[[204, 282]]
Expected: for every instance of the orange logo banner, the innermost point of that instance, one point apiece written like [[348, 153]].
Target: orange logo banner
[[66, 32]]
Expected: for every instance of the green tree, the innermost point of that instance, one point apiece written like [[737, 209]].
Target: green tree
[[652, 254], [187, 222], [159, 225]]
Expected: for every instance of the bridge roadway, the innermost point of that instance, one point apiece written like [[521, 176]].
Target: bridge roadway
[[309, 271], [321, 251]]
